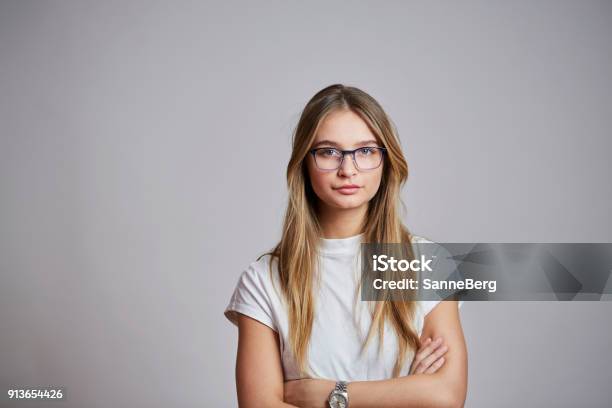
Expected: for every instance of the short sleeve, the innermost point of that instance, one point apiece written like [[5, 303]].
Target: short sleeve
[[251, 298], [445, 269], [428, 305]]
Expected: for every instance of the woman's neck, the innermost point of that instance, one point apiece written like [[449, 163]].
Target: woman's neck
[[341, 223]]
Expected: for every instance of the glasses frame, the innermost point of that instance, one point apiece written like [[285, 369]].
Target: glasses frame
[[383, 150]]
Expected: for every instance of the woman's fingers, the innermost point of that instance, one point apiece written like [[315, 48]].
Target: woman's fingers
[[427, 348], [418, 355], [426, 343], [434, 367], [425, 363]]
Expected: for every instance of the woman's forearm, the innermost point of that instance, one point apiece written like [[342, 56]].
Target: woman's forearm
[[282, 404], [417, 390]]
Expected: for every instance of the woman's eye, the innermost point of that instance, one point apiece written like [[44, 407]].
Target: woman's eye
[[367, 150], [329, 152]]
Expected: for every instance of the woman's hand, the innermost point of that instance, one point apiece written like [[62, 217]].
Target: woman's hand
[[428, 359], [308, 392]]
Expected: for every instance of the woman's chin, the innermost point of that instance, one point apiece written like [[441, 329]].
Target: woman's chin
[[349, 203]]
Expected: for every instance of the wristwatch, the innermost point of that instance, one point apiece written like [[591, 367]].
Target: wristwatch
[[338, 398]]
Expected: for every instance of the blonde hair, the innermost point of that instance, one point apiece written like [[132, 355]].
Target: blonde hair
[[297, 251]]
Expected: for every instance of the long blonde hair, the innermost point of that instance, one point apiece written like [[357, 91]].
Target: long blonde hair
[[297, 251]]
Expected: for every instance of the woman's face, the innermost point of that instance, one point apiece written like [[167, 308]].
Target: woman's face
[[344, 130]]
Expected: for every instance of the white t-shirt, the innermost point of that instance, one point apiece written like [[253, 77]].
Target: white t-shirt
[[341, 319]]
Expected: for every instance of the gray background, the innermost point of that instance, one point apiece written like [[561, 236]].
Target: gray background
[[142, 157]]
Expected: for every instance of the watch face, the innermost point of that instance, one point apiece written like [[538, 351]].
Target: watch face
[[337, 401]]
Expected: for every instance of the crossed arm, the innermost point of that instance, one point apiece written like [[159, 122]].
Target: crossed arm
[[260, 383]]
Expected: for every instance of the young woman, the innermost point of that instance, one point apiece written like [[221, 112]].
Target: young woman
[[305, 337]]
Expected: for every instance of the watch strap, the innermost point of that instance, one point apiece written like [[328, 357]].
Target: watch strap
[[341, 386]]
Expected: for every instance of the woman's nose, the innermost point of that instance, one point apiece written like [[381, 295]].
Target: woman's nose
[[347, 168]]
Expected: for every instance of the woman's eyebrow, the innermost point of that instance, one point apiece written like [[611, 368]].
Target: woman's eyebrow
[[330, 143]]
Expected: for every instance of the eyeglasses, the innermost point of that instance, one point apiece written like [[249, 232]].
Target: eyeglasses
[[364, 158]]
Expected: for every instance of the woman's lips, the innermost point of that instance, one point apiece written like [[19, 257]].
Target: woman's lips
[[348, 189]]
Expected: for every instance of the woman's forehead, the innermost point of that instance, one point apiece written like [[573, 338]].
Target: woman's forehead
[[344, 129]]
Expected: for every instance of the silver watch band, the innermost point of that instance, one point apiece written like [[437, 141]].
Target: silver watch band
[[341, 386], [339, 395]]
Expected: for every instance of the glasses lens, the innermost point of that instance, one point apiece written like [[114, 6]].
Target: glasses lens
[[328, 159], [368, 158]]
